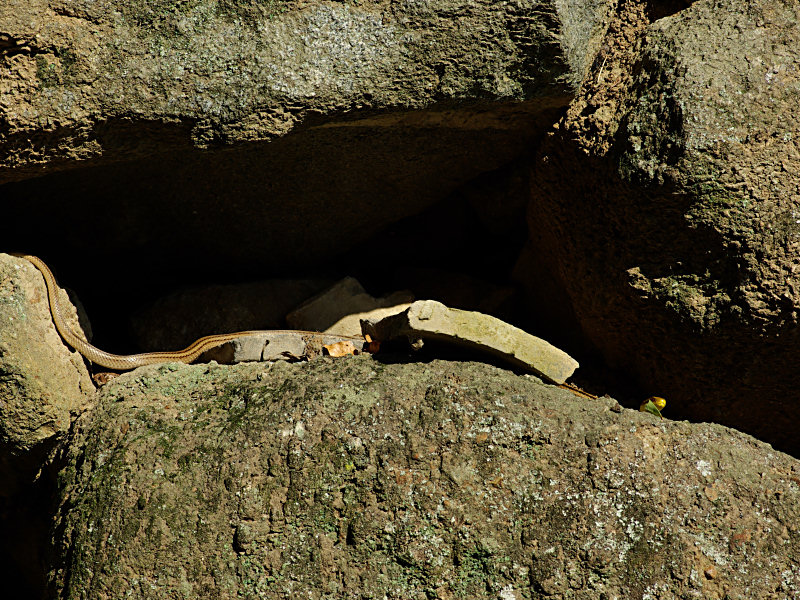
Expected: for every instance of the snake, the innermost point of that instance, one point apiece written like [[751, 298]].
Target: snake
[[126, 362]]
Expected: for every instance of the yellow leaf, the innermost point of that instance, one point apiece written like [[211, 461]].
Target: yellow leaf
[[343, 348]]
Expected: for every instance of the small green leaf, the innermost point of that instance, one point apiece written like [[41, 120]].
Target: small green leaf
[[649, 406]]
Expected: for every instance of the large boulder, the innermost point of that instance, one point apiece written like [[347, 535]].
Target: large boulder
[[272, 133], [359, 478], [666, 210], [44, 385]]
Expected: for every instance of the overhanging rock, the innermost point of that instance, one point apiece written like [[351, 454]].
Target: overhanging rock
[[428, 319]]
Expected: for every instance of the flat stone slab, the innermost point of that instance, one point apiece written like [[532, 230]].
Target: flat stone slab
[[276, 345], [428, 319]]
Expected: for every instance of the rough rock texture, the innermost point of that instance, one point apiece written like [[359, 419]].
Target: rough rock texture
[[243, 71], [360, 479], [666, 210], [43, 384]]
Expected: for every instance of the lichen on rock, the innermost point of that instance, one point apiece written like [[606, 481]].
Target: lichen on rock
[[353, 476]]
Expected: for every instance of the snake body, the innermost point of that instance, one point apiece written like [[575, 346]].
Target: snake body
[[125, 362]]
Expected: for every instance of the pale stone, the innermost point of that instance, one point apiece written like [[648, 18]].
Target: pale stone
[[351, 324], [340, 309], [275, 345], [428, 319], [283, 347]]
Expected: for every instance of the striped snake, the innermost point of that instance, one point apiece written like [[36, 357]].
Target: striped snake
[[125, 362]]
